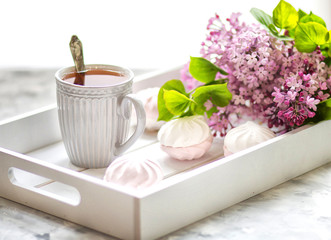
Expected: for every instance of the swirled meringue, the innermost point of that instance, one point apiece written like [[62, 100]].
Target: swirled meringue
[[185, 138], [137, 173], [245, 136], [149, 98], [190, 152]]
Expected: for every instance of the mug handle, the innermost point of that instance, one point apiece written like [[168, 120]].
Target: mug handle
[[141, 121]]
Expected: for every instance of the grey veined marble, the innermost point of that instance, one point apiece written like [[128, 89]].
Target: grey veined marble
[[23, 90], [298, 209]]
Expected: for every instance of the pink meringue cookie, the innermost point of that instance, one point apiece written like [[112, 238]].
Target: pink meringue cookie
[[245, 136], [137, 173], [190, 152], [226, 151], [149, 98], [186, 138]]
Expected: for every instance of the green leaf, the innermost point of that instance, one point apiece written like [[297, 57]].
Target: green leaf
[[176, 102], [218, 94], [327, 103], [328, 60], [291, 33], [211, 111], [164, 113], [328, 36], [312, 18], [301, 13], [323, 112], [273, 30], [267, 22], [309, 35], [262, 17], [203, 70], [285, 16], [218, 81]]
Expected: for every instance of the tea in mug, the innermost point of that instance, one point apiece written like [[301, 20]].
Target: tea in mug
[[97, 78]]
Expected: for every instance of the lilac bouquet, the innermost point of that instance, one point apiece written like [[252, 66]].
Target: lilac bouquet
[[276, 72]]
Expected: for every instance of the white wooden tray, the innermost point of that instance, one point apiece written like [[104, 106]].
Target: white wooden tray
[[35, 171]]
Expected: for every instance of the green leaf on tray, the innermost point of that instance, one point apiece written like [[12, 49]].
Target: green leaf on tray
[[262, 17], [323, 112], [328, 60], [273, 30], [218, 94], [312, 18], [176, 102], [285, 16], [328, 36], [164, 113], [301, 13], [309, 35], [266, 20], [203, 70]]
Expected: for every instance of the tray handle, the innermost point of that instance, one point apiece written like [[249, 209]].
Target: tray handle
[[47, 187], [13, 163], [99, 207]]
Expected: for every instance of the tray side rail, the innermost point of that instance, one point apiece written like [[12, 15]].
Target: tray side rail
[[31, 130], [99, 207], [206, 190]]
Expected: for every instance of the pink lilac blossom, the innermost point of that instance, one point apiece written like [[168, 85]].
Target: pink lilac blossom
[[269, 79]]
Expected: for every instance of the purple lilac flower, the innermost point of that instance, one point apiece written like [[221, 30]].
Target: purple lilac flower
[[269, 79]]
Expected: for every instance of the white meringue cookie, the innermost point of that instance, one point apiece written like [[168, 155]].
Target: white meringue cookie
[[245, 136], [190, 152], [149, 98], [137, 173], [185, 138], [184, 132]]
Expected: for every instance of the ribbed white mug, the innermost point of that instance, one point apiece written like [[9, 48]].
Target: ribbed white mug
[[95, 120]]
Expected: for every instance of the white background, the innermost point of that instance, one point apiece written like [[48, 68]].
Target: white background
[[138, 34]]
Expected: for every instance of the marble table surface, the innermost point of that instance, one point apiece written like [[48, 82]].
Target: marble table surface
[[297, 209]]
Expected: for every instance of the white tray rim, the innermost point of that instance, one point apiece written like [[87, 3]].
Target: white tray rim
[[142, 200]]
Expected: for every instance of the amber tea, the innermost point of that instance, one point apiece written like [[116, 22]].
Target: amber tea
[[96, 78]]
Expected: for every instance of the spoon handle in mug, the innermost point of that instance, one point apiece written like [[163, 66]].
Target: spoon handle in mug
[[141, 121]]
